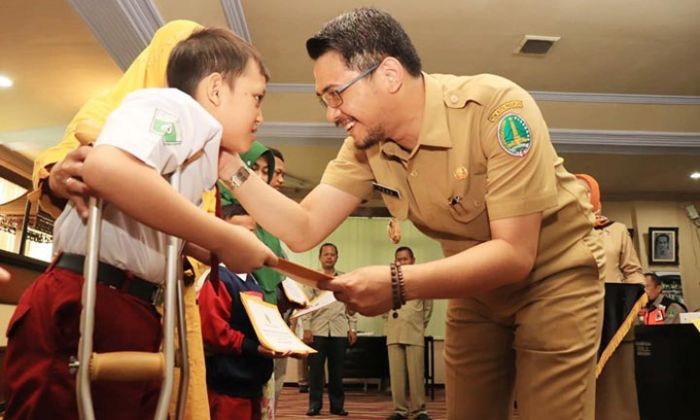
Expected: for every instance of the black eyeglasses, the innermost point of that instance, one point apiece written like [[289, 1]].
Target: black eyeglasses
[[331, 97]]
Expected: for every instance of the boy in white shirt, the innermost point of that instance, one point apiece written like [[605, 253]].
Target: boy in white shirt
[[217, 83]]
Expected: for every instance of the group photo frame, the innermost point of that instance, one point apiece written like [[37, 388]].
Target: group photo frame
[[663, 246]]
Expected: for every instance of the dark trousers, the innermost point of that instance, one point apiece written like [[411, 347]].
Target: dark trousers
[[334, 349]]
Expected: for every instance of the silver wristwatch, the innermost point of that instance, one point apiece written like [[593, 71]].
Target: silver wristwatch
[[240, 176]]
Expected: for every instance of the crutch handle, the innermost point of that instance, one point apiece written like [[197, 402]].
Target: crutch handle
[[127, 366], [86, 132]]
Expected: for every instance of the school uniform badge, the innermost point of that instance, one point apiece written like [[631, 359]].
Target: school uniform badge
[[514, 135], [164, 124]]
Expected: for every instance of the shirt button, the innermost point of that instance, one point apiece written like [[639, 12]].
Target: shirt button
[[454, 99], [414, 173]]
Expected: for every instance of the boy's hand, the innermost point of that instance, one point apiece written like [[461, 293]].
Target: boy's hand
[[242, 251], [66, 179], [265, 352]]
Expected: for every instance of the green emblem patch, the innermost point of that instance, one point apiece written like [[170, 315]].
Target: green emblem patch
[[164, 125], [514, 135]]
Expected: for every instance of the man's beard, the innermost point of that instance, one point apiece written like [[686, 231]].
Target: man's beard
[[375, 136]]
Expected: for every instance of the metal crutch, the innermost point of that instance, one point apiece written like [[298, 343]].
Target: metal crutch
[[141, 365]]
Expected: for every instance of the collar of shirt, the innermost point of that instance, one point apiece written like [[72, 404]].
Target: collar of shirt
[[434, 129]]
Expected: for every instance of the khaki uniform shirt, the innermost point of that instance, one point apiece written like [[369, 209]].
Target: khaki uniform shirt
[[409, 326], [483, 154], [622, 264], [332, 320]]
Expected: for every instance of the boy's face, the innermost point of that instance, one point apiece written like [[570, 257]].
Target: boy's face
[[239, 110]]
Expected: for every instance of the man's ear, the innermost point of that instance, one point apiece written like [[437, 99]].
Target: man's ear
[[393, 73]]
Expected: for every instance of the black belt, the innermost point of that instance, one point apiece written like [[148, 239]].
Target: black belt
[[115, 278]]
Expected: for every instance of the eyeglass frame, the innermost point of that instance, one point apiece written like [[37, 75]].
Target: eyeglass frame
[[336, 92]]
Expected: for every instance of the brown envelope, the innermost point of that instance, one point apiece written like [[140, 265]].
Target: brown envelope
[[300, 273]]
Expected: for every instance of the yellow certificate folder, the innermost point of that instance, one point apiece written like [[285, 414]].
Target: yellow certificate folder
[[270, 328]]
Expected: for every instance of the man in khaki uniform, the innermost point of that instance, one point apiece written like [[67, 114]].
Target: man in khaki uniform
[[405, 332], [328, 330], [469, 161]]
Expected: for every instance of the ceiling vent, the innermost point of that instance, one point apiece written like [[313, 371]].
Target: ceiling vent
[[536, 44]]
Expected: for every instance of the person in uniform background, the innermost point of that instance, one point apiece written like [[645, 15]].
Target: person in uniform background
[[616, 389], [329, 331], [405, 331], [660, 309], [469, 161], [152, 133]]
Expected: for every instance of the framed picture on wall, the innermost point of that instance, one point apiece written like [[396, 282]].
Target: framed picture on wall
[[663, 246]]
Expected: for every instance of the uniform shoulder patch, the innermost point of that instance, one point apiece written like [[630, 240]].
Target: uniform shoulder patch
[[514, 135], [164, 124], [503, 108]]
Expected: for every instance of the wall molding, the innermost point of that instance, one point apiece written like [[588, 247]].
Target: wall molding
[[603, 98], [123, 28], [567, 140]]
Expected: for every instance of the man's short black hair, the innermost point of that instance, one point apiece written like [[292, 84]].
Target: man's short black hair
[[404, 248], [320, 250], [364, 37], [654, 278]]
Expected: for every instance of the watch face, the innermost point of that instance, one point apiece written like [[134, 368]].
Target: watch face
[[240, 176]]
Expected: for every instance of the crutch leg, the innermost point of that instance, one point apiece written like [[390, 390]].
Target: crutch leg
[[130, 366]]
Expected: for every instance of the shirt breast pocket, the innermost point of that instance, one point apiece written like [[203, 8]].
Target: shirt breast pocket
[[468, 199], [398, 207]]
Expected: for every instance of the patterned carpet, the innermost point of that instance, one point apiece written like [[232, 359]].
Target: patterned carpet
[[361, 405]]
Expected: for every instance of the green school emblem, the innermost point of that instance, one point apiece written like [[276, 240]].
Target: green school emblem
[[164, 125], [514, 135]]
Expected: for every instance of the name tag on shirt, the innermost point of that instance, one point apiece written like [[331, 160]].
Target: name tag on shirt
[[386, 190]]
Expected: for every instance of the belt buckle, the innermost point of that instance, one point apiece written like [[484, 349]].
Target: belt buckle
[[158, 296]]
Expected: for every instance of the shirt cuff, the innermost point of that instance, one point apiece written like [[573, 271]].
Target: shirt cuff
[[249, 347]]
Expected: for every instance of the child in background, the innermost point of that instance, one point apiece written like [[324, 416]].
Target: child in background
[[237, 364]]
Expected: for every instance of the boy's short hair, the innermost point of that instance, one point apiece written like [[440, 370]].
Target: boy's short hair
[[207, 51]]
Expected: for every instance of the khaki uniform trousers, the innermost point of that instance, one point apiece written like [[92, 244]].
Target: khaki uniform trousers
[[616, 388], [406, 367], [546, 331]]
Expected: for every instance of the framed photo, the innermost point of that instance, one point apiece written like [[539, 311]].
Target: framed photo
[[663, 246]]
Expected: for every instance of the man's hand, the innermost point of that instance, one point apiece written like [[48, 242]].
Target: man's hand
[[242, 252], [66, 180], [308, 337], [352, 337], [366, 290]]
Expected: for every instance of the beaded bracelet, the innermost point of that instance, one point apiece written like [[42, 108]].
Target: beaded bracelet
[[397, 286]]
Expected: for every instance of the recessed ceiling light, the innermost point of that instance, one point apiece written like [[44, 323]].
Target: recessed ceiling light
[[5, 82], [695, 175]]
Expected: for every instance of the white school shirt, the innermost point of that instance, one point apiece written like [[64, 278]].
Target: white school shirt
[[162, 128]]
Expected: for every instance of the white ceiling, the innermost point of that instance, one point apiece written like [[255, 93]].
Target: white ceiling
[[620, 90]]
